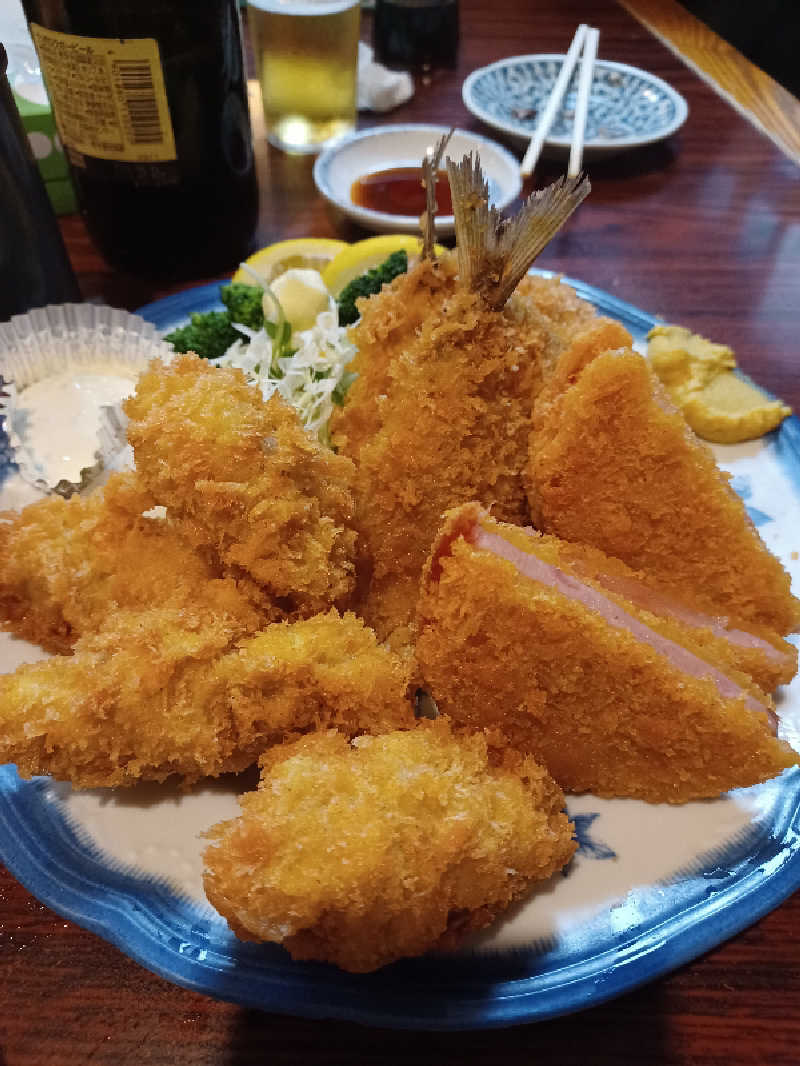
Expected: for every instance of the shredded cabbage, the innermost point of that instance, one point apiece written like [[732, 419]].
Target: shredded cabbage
[[307, 377]]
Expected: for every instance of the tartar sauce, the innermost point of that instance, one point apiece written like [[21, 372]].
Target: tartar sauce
[[57, 419]]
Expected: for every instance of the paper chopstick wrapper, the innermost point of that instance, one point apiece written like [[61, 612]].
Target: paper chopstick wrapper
[[380, 89]]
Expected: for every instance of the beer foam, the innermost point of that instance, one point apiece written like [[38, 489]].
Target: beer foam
[[303, 7]]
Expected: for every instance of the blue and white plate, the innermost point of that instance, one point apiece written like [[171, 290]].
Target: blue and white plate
[[651, 887], [627, 107]]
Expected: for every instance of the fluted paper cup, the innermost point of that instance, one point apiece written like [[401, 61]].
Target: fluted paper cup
[[47, 357]]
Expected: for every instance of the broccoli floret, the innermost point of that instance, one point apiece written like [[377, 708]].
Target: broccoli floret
[[209, 334], [244, 303], [368, 284]]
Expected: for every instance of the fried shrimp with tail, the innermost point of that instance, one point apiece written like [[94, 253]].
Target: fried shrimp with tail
[[448, 368], [243, 479], [167, 691], [359, 854]]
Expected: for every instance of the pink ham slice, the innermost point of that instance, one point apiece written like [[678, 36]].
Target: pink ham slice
[[658, 603], [532, 566], [650, 600]]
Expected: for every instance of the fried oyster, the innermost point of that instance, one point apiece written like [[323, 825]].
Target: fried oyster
[[366, 852]]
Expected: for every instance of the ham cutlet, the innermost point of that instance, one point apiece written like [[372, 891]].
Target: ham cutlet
[[614, 465], [515, 639]]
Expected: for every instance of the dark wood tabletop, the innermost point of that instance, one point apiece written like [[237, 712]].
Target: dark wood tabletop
[[703, 229]]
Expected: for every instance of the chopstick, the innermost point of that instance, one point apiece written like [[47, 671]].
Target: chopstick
[[582, 103], [554, 101], [533, 152]]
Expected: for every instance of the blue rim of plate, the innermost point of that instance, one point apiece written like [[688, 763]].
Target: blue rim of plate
[[174, 310], [591, 143], [185, 943]]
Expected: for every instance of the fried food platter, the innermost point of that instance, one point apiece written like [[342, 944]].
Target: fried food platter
[[650, 888]]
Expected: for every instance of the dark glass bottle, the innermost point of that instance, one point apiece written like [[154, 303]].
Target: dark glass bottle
[[34, 268], [150, 103], [418, 35]]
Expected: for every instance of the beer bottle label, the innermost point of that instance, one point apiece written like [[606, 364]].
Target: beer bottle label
[[108, 97]]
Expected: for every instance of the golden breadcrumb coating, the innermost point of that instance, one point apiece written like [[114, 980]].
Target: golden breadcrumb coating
[[439, 413], [734, 643], [586, 341], [136, 701], [65, 565], [387, 328], [558, 307], [366, 852], [167, 691], [328, 670], [614, 465], [244, 480], [603, 710]]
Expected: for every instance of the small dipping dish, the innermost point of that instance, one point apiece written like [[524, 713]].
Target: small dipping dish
[[358, 165]]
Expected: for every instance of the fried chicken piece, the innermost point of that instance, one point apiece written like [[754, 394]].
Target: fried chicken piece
[[328, 670], [167, 691], [520, 634], [244, 480], [65, 565], [366, 852], [614, 465]]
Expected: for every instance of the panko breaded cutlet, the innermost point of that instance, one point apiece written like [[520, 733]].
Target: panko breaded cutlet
[[68, 564], [448, 365], [516, 639], [243, 479], [167, 691], [440, 413], [454, 425], [366, 852], [614, 465]]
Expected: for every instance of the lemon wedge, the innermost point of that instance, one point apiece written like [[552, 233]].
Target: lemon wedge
[[313, 253], [358, 258], [303, 296]]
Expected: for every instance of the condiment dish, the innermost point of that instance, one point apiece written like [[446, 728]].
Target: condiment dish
[[384, 147]]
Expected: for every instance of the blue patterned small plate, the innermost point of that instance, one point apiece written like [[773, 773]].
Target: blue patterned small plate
[[627, 107]]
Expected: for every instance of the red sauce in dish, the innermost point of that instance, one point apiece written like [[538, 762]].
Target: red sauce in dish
[[400, 191]]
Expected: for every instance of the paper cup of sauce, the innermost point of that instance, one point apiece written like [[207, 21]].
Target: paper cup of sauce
[[62, 367]]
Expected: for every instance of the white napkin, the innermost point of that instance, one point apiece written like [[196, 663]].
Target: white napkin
[[380, 89]]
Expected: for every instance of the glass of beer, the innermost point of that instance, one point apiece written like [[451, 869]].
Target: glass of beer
[[307, 56]]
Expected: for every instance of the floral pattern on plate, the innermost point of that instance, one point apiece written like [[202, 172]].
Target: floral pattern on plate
[[627, 106]]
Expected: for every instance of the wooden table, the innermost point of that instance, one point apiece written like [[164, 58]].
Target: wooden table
[[704, 230]]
